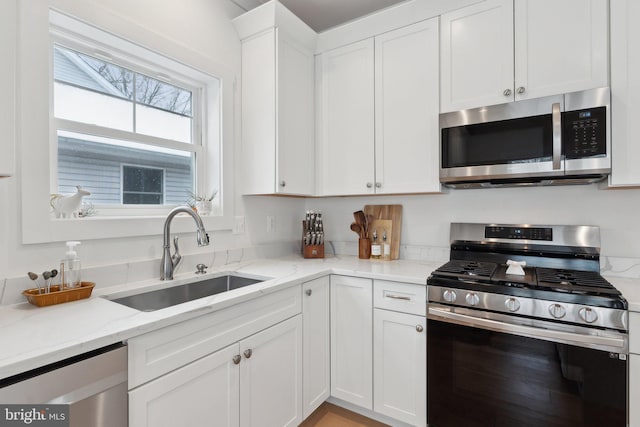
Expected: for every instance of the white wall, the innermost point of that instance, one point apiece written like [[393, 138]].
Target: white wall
[[426, 218], [199, 26]]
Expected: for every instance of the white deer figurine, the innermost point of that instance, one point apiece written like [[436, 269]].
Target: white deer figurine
[[66, 206]]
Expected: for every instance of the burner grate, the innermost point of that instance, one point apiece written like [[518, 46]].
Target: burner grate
[[467, 268], [575, 281]]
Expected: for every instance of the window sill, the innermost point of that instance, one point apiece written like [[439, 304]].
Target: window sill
[[105, 227]]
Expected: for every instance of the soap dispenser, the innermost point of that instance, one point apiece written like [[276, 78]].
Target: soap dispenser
[[71, 267]]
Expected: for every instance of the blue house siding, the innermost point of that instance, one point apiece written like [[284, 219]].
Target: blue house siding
[[97, 167]]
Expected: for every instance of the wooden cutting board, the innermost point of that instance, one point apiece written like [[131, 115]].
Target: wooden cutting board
[[388, 212]]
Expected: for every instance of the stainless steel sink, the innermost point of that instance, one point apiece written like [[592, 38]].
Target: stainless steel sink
[[167, 297]]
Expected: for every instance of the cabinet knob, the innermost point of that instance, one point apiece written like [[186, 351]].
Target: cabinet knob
[[247, 353], [521, 90], [236, 359], [369, 185], [378, 184], [507, 92], [308, 292], [283, 183], [419, 328]]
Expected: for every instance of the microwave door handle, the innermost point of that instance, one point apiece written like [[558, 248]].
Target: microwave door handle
[[556, 122]]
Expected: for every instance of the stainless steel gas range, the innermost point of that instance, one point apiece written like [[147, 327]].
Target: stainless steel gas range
[[523, 331]]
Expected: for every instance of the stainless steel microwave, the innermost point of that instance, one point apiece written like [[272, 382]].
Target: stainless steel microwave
[[563, 139]]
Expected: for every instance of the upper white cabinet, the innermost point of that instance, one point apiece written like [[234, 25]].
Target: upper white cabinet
[[560, 46], [406, 109], [345, 119], [278, 150], [377, 121], [625, 92], [8, 30]]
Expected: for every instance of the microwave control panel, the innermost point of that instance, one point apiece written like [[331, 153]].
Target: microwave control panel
[[585, 133]]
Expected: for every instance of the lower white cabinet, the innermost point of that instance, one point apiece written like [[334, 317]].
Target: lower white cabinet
[[352, 340], [400, 366], [271, 376], [205, 392], [195, 366], [316, 354]]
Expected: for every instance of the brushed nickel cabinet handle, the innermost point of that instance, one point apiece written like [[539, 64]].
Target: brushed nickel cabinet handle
[[419, 328], [369, 185], [308, 292], [507, 92], [283, 183], [247, 353], [236, 359], [521, 90], [402, 297]]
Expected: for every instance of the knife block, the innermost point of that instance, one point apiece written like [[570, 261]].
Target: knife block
[[313, 251]]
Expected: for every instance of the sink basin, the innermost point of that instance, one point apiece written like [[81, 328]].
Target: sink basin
[[167, 297]]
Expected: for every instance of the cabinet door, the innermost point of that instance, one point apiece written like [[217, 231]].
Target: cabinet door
[[346, 119], [561, 46], [634, 389], [295, 167], [476, 66], [8, 31], [259, 113], [352, 340], [203, 393], [271, 376], [316, 356], [400, 366], [625, 92], [407, 106]]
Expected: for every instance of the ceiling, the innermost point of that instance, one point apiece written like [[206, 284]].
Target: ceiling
[[323, 14]]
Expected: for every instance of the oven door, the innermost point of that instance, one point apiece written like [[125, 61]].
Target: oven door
[[522, 139], [486, 369]]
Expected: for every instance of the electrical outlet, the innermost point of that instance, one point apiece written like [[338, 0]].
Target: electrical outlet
[[238, 225], [271, 224]]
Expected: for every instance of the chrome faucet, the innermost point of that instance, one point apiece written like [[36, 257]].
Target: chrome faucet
[[170, 262]]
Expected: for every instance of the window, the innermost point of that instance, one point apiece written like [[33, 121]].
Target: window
[[112, 111], [143, 186]]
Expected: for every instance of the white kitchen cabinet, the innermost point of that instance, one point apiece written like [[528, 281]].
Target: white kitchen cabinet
[[278, 148], [271, 376], [625, 93], [345, 119], [203, 393], [400, 366], [499, 51], [8, 31], [352, 340], [316, 350], [406, 109], [256, 382], [378, 118]]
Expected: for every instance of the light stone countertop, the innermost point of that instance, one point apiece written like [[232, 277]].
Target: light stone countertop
[[36, 336], [32, 336]]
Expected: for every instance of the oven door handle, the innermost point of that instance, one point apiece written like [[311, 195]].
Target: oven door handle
[[556, 125], [613, 343]]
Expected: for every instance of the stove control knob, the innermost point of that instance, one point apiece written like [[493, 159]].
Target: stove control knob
[[512, 304], [558, 311], [449, 295], [472, 298], [587, 314]]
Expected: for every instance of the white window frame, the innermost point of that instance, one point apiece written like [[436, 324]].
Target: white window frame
[[38, 139]]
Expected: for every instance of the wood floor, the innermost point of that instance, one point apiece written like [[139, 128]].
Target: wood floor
[[329, 415]]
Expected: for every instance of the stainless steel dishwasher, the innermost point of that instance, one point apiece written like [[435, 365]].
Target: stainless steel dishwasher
[[94, 385]]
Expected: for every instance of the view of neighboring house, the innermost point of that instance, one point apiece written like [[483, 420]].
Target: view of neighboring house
[[115, 172]]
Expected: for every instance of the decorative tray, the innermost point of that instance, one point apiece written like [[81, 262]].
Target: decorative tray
[[57, 296]]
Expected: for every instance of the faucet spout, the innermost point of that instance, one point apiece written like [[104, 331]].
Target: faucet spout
[[170, 262]]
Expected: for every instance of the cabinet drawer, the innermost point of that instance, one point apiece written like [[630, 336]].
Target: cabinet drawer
[[634, 332], [158, 352], [403, 297]]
